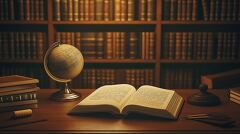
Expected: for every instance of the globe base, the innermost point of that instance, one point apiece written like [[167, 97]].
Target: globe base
[[65, 94]]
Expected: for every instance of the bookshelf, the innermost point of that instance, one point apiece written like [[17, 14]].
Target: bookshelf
[[159, 24]]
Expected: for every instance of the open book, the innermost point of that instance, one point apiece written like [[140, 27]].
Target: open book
[[123, 99]]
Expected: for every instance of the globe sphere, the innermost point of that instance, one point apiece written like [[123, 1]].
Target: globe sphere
[[63, 62]]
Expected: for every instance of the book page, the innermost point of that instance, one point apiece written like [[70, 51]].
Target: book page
[[115, 95], [153, 97]]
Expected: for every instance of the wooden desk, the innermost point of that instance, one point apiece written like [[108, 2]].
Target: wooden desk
[[59, 121]]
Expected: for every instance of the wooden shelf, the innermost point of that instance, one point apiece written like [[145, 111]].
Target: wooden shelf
[[173, 61], [19, 22], [120, 61], [104, 22], [130, 61], [21, 61], [199, 22]]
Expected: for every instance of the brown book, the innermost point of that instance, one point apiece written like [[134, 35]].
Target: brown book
[[225, 46], [64, 9], [165, 45], [17, 44], [204, 46], [86, 10], [37, 10], [142, 10], [123, 10], [122, 45], [234, 46], [12, 45], [222, 80], [92, 10], [106, 12], [179, 9], [14, 80], [130, 10], [57, 10], [210, 46], [151, 45], [40, 42], [41, 10], [81, 9], [229, 46], [28, 43], [34, 45], [143, 44], [109, 45], [117, 14], [19, 107], [184, 10], [68, 38], [150, 9], [212, 10], [146, 45], [178, 50], [5, 40], [75, 10], [70, 10], [190, 46], [133, 45], [78, 40], [199, 45], [184, 46], [189, 10], [194, 10], [22, 45], [99, 45], [17, 103], [17, 87], [219, 45], [88, 44], [205, 10], [173, 10], [170, 46], [100, 11], [27, 9], [223, 10], [229, 8]]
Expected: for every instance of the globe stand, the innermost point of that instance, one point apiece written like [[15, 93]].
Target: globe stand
[[65, 94]]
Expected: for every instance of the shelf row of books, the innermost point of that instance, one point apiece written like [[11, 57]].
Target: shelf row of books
[[22, 45], [23, 10], [94, 78], [33, 71], [201, 45], [208, 10], [111, 45], [18, 93], [117, 10], [180, 10], [173, 77]]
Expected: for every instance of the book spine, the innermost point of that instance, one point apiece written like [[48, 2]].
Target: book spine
[[78, 40], [106, 12], [40, 42], [22, 45], [190, 46], [223, 10], [57, 10], [212, 10], [92, 10], [219, 45], [195, 10], [150, 10], [109, 45], [184, 9], [184, 46], [151, 45], [117, 13], [18, 97], [12, 47], [165, 45], [100, 11], [99, 45], [234, 46], [142, 12], [28, 43], [123, 9], [179, 9], [189, 10], [229, 46], [133, 45], [143, 34], [170, 51], [229, 10], [166, 9], [225, 41], [123, 44], [41, 10], [75, 10], [34, 45], [172, 9], [130, 10], [204, 46], [178, 49], [217, 10], [210, 46], [199, 45], [205, 11], [81, 10]]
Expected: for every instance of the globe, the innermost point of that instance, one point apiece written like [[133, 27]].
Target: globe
[[63, 62]]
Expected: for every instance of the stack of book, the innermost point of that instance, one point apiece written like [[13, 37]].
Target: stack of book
[[18, 93], [235, 95]]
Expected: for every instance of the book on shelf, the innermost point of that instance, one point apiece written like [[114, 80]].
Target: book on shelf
[[200, 45], [235, 95], [122, 99], [14, 80]]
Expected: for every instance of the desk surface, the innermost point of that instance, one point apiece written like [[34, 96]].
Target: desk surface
[[59, 121]]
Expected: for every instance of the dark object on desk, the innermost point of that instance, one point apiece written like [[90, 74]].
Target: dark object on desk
[[217, 119], [204, 98]]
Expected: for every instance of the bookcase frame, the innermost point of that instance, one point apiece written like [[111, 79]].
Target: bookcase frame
[[158, 25]]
